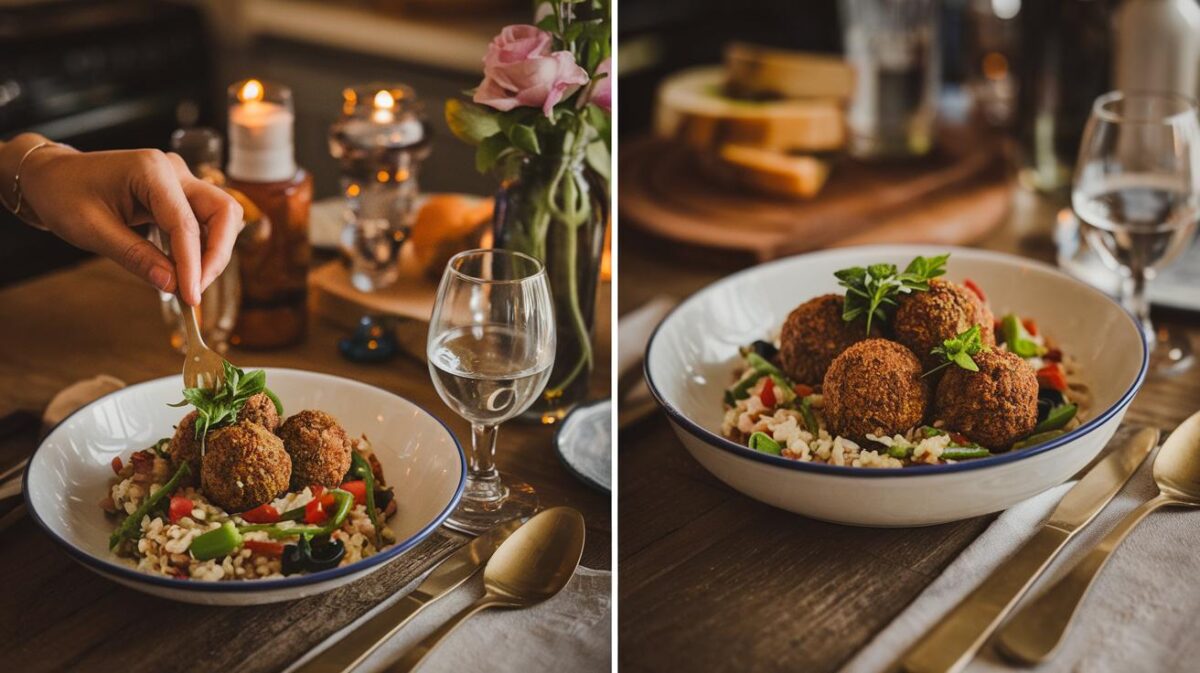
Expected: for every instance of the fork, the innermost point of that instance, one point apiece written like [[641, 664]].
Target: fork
[[202, 366]]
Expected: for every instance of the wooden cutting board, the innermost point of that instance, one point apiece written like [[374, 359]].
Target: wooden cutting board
[[953, 197]]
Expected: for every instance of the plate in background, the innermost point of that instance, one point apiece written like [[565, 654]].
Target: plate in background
[[584, 444]]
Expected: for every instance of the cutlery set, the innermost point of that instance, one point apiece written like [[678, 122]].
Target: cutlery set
[[1036, 631]]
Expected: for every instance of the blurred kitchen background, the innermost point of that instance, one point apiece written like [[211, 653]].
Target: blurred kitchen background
[[753, 130], [110, 74]]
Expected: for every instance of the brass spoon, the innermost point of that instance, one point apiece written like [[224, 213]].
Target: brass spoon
[[202, 366], [1037, 630], [532, 565]]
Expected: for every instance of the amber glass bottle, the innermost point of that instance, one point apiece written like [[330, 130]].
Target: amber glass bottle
[[273, 254]]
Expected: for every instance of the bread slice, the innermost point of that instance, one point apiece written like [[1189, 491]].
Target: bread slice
[[774, 173], [693, 108], [762, 72]]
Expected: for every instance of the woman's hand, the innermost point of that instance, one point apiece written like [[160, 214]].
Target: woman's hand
[[91, 199]]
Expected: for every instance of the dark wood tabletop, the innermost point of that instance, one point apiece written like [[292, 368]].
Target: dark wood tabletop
[[714, 581], [57, 616]]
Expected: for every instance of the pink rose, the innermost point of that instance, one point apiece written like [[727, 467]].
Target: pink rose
[[520, 70], [602, 93]]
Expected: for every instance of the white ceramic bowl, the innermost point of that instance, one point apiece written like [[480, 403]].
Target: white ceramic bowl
[[690, 358], [70, 473]]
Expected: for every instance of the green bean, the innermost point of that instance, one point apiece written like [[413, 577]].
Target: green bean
[[1057, 418], [131, 527], [964, 453], [760, 364], [1039, 438], [741, 389], [810, 419], [360, 466], [343, 501]]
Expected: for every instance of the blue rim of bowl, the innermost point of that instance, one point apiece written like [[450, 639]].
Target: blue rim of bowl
[[562, 457], [248, 586], [713, 439]]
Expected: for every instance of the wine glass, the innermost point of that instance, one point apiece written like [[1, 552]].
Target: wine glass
[[1135, 191], [490, 350]]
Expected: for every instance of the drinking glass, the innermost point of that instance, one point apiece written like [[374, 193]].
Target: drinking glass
[[1135, 191], [490, 350]]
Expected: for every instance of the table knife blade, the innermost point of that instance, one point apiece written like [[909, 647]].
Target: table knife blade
[[955, 640], [348, 652]]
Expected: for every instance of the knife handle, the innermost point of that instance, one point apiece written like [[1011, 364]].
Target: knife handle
[[352, 649], [1037, 630], [952, 643]]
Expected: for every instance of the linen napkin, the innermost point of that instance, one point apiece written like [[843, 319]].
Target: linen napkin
[[634, 332], [1142, 613], [570, 632]]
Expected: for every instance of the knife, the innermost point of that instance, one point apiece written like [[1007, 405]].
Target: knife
[[953, 642], [354, 647]]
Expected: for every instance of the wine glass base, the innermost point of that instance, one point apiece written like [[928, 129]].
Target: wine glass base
[[476, 516], [1172, 353]]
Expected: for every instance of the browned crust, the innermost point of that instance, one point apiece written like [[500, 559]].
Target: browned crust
[[995, 406], [319, 447], [814, 334], [874, 386], [925, 319], [260, 409], [184, 447], [244, 466]]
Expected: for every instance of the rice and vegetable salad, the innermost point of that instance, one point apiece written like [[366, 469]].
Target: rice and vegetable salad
[[238, 494], [904, 368]]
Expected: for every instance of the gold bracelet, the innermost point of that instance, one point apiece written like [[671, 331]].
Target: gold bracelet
[[30, 217]]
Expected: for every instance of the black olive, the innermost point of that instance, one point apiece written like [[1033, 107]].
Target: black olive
[[766, 349], [1048, 398], [383, 496], [294, 560], [327, 555]]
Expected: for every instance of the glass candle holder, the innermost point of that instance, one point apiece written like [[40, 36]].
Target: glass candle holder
[[380, 139]]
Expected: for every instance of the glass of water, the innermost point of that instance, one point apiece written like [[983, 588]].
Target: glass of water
[[1135, 191], [490, 350]]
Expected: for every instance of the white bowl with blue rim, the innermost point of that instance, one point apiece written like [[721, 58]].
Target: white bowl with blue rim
[[691, 357], [70, 473]]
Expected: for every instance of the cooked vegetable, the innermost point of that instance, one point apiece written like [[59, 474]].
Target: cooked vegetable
[[964, 453], [117, 465], [1017, 338], [304, 556], [873, 290], [741, 389], [767, 394], [1038, 438], [760, 364], [160, 447], [179, 508], [216, 543], [761, 441], [314, 511], [358, 489], [265, 513], [1059, 416], [361, 468], [131, 527], [1053, 377], [974, 287], [266, 548], [810, 419], [900, 451], [343, 501], [958, 351], [764, 349]]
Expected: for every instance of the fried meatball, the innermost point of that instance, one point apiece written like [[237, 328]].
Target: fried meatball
[[875, 387], [260, 409], [184, 447], [319, 448], [994, 406], [814, 334], [244, 466], [925, 319]]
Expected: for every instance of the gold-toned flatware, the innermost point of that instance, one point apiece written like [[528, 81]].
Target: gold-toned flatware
[[952, 643], [1037, 630], [202, 366], [531, 566], [347, 653]]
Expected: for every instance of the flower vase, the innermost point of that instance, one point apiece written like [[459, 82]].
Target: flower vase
[[556, 210]]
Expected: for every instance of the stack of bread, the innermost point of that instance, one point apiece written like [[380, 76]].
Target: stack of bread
[[767, 119]]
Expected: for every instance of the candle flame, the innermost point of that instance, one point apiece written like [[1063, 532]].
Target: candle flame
[[252, 90], [384, 100]]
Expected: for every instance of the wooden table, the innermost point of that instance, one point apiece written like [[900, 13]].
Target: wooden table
[[714, 581], [57, 616]]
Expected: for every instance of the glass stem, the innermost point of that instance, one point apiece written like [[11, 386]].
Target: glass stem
[[1137, 302], [484, 482]]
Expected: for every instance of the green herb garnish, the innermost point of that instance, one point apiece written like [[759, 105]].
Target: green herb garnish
[[958, 351], [219, 407], [872, 291]]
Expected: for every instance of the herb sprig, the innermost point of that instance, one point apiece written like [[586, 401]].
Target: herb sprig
[[958, 351], [220, 406], [873, 290]]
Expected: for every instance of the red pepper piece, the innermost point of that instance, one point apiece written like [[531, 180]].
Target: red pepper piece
[[1030, 326], [264, 547], [974, 287], [117, 465], [262, 514], [358, 489], [768, 392], [314, 512], [804, 390], [179, 508], [1052, 376]]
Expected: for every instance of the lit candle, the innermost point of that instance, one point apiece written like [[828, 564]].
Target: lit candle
[[384, 102], [260, 136]]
